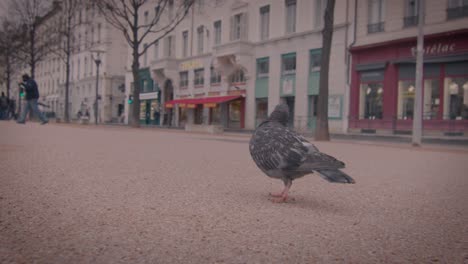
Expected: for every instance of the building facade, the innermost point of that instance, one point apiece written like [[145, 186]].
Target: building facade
[[230, 62], [384, 62], [93, 41]]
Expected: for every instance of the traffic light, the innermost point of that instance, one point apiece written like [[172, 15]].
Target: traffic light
[[130, 99]]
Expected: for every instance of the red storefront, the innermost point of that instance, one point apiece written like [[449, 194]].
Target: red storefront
[[383, 84]]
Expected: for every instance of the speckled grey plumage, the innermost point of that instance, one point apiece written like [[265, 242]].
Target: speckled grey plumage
[[284, 154]]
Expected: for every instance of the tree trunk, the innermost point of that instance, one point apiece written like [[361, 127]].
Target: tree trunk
[[32, 62], [135, 120], [135, 113], [321, 130], [8, 75], [67, 73]]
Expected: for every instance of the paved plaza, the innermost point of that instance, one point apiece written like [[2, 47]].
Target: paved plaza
[[85, 194]]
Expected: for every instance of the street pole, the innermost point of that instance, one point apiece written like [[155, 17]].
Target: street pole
[[96, 107], [417, 117]]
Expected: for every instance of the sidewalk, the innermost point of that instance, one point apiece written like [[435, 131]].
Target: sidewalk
[[439, 140]]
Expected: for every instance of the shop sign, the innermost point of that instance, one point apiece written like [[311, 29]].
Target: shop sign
[[334, 106], [213, 93], [169, 106], [436, 49], [209, 105], [189, 65], [146, 96], [236, 92], [182, 105], [191, 105]]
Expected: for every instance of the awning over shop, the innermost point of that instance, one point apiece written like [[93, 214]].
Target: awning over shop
[[205, 101]]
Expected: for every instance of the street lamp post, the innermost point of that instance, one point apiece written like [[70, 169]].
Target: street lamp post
[[96, 104], [97, 60]]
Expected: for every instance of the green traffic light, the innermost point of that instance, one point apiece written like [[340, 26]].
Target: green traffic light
[[130, 100], [22, 94]]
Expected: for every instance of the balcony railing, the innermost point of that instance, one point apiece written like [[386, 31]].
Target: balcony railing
[[410, 21], [457, 12], [374, 28]]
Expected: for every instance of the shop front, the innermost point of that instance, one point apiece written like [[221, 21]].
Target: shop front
[[383, 85], [226, 111]]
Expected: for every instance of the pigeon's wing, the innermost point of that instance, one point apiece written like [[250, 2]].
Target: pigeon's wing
[[318, 160], [276, 148]]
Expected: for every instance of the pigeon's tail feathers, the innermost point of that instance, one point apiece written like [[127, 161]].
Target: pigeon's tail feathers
[[335, 176]]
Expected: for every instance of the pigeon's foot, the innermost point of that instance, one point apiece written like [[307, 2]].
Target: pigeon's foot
[[281, 199], [277, 194]]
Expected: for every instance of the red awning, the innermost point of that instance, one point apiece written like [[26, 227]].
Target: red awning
[[207, 101]]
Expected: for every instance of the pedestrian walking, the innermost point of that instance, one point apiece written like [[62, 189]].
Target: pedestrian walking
[[3, 107], [32, 95]]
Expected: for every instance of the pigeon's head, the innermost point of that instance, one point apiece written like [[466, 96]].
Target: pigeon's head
[[280, 114]]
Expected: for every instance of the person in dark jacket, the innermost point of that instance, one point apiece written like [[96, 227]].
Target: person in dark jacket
[[32, 95]]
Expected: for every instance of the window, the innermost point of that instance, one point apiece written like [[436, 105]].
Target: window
[[457, 9], [92, 67], [185, 44], [79, 42], [261, 110], [170, 9], [200, 32], [239, 26], [169, 48], [372, 100], [156, 11], [156, 50], [264, 22], [375, 16], [315, 60], [199, 78], [320, 6], [92, 36], [145, 55], [145, 86], [78, 70], [85, 67], [217, 32], [183, 79], [456, 98], [431, 99], [86, 39], [288, 64], [290, 16], [411, 13], [406, 91], [146, 17], [99, 33], [263, 66], [238, 76], [215, 76], [200, 6]]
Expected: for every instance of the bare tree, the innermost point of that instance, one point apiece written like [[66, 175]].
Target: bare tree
[[31, 13], [10, 43], [69, 22], [321, 130], [125, 16]]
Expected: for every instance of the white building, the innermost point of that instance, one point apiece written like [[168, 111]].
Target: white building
[[94, 39], [230, 62]]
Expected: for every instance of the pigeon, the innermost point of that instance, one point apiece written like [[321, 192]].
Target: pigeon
[[283, 154]]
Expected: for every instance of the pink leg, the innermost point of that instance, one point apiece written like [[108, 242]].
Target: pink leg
[[283, 196]]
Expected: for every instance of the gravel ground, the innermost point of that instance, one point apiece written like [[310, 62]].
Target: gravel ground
[[81, 194]]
